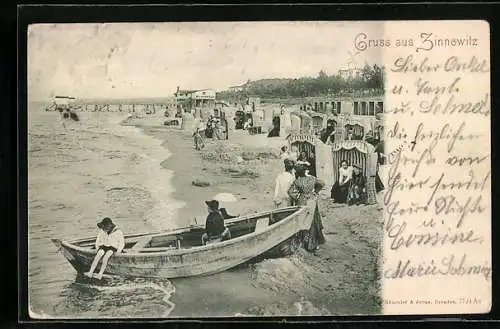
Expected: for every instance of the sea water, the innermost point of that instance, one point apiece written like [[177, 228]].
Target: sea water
[[79, 173]]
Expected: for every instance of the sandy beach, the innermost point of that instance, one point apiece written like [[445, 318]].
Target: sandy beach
[[342, 276]]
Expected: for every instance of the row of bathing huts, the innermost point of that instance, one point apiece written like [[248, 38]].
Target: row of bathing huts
[[358, 122]]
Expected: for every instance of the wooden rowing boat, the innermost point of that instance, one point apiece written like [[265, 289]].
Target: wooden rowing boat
[[179, 253]]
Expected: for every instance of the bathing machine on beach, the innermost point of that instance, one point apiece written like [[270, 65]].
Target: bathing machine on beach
[[179, 253]]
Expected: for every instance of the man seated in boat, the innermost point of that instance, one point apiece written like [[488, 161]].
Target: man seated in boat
[[214, 225], [109, 240]]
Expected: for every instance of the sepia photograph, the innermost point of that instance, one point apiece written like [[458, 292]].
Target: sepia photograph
[[214, 169]]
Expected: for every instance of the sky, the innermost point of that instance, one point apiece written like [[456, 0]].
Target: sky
[[135, 60]]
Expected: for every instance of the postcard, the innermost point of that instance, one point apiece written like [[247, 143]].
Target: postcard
[[258, 169]]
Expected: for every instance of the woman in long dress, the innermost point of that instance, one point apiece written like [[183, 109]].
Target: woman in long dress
[[303, 189], [216, 130], [209, 128], [341, 187], [379, 149]]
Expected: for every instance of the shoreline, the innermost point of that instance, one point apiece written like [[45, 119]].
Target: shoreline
[[341, 277]]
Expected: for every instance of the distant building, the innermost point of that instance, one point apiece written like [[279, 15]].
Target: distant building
[[198, 101], [63, 102], [350, 73], [181, 95]]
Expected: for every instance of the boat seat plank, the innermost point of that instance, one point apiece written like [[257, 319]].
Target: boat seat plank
[[159, 249], [143, 242], [262, 224]]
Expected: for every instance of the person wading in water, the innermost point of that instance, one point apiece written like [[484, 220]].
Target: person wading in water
[[66, 115]]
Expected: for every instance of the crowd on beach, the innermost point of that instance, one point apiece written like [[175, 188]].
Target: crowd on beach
[[215, 128]]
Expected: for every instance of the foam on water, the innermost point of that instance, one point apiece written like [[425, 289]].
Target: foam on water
[[111, 298], [281, 274], [165, 286], [298, 308]]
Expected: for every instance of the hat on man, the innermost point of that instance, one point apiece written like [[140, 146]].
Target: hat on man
[[212, 204], [106, 223]]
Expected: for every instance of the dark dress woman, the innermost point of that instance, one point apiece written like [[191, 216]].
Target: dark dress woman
[[357, 188], [379, 149], [225, 128], [340, 189], [303, 189], [209, 129], [275, 132]]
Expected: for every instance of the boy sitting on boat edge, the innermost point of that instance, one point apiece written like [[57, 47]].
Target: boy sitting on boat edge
[[109, 240]]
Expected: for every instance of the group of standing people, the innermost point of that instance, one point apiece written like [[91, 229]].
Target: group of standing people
[[294, 186], [215, 128]]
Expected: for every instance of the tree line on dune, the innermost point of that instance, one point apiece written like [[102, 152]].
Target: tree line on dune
[[370, 78]]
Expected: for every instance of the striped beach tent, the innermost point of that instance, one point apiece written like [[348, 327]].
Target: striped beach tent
[[361, 154], [318, 153]]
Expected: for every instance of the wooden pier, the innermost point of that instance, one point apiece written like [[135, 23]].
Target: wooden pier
[[120, 106]]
